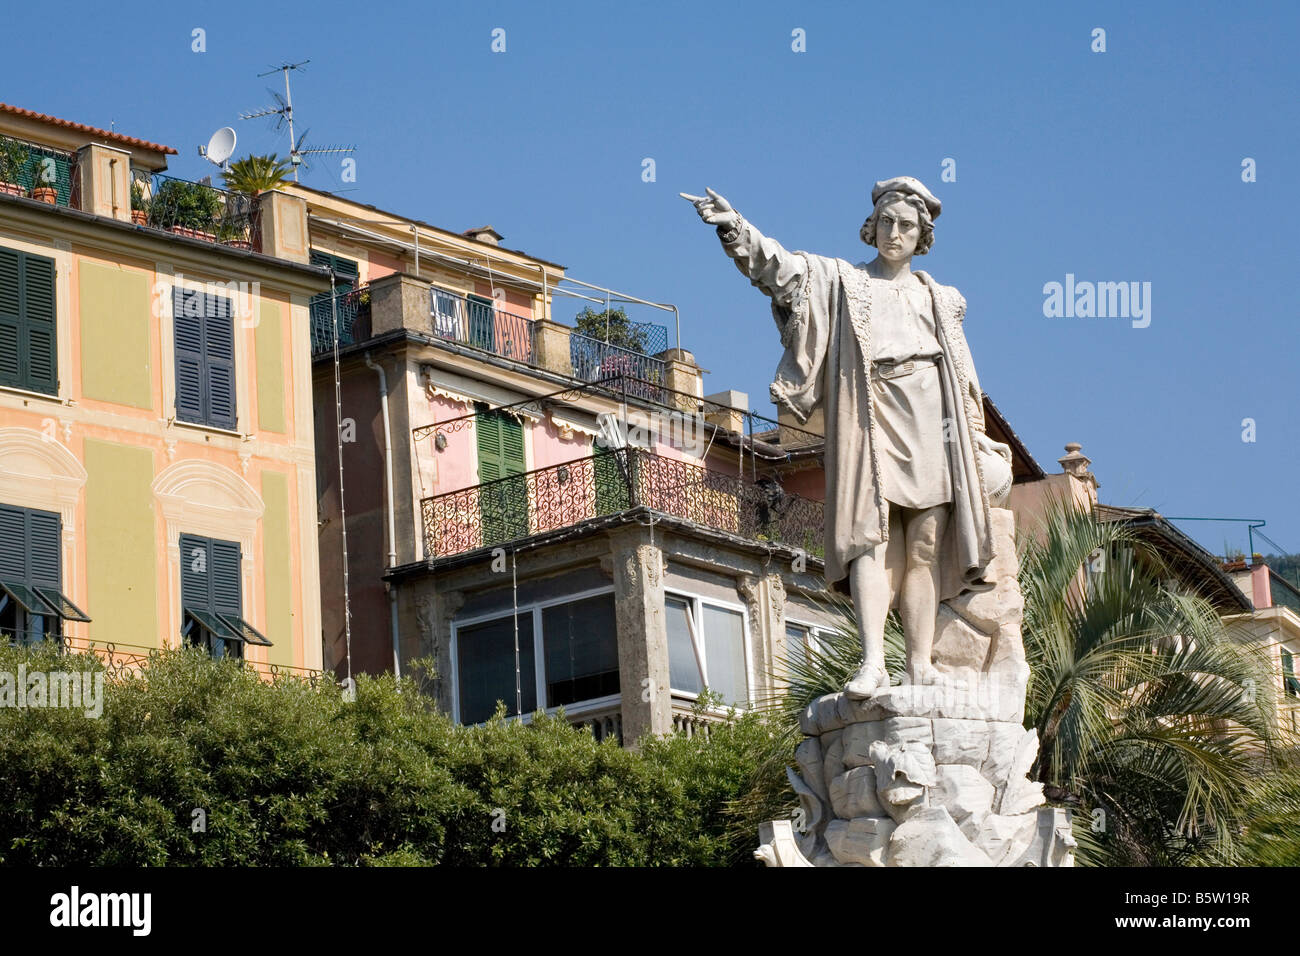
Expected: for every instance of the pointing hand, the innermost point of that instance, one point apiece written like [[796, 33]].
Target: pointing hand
[[712, 208]]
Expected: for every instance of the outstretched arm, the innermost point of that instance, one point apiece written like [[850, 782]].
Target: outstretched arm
[[762, 260]]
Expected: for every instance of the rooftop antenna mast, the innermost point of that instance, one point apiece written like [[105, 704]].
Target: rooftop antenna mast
[[284, 110]]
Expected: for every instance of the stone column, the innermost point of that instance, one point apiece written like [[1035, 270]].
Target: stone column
[[637, 568], [765, 604], [682, 375], [283, 225], [551, 346], [104, 181], [400, 301]]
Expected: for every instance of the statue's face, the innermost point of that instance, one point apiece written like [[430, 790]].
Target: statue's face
[[898, 229]]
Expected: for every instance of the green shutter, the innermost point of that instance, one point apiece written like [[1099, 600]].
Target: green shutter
[[482, 321], [13, 544], [42, 357], [28, 347], [219, 358], [226, 597], [43, 549], [504, 504], [196, 559], [10, 318]]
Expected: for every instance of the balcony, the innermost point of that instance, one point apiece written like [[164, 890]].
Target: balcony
[[594, 360], [38, 172], [548, 499], [481, 324], [194, 210]]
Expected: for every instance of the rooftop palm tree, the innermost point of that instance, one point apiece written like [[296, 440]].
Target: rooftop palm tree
[[256, 174]]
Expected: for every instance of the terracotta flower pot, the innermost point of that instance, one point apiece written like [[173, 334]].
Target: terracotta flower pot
[[11, 189], [238, 244], [46, 194], [139, 217]]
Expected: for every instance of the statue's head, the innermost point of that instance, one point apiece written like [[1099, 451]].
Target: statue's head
[[901, 223]]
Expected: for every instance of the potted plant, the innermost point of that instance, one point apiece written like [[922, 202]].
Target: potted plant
[[43, 179], [187, 209], [231, 232], [13, 160], [139, 205]]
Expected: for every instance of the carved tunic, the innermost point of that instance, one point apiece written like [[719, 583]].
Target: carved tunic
[[914, 471]]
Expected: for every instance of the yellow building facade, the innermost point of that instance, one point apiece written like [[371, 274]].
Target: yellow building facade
[[157, 474]]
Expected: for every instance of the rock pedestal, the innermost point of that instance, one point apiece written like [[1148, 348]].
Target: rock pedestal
[[931, 774]]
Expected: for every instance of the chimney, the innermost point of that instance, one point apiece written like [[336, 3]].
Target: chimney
[[484, 234]]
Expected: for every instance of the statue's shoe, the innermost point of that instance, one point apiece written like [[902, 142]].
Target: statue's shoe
[[868, 679]]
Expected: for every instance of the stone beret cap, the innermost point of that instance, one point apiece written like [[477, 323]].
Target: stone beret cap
[[906, 184]]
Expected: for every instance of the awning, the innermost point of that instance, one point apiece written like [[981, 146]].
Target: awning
[[45, 601], [247, 632], [228, 627]]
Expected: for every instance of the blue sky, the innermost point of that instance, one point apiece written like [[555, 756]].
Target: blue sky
[[1117, 166]]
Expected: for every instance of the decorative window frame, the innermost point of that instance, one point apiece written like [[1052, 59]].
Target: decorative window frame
[[203, 498]]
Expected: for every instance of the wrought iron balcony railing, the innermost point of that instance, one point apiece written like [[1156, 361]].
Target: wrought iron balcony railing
[[559, 496], [594, 360], [39, 172], [353, 311], [481, 324], [195, 210]]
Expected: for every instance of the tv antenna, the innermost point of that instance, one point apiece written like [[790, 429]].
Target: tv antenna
[[283, 111]]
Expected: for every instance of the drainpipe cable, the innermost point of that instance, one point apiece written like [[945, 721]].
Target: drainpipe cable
[[390, 509], [343, 514]]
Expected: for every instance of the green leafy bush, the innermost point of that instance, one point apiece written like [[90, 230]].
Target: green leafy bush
[[292, 775]]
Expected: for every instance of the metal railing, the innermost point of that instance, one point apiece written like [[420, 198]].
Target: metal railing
[[353, 308], [39, 172], [194, 210], [594, 360], [547, 499], [481, 324]]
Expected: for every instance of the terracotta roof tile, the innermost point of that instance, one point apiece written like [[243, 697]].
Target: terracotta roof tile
[[94, 130]]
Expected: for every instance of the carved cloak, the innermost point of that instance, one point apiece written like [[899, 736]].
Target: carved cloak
[[822, 308]]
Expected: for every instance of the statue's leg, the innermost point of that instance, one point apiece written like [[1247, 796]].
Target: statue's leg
[[873, 579], [919, 602]]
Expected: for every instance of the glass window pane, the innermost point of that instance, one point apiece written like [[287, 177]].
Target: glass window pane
[[683, 671], [485, 667], [795, 647], [581, 644], [724, 654]]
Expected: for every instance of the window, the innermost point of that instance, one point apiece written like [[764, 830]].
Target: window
[[487, 667], [581, 644], [32, 604], [707, 648], [28, 351], [1289, 683], [205, 358], [211, 599], [566, 652], [799, 640]]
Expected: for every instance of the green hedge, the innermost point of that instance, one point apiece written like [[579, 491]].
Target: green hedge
[[292, 775]]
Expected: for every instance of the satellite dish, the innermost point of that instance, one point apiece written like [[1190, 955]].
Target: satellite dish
[[221, 146]]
